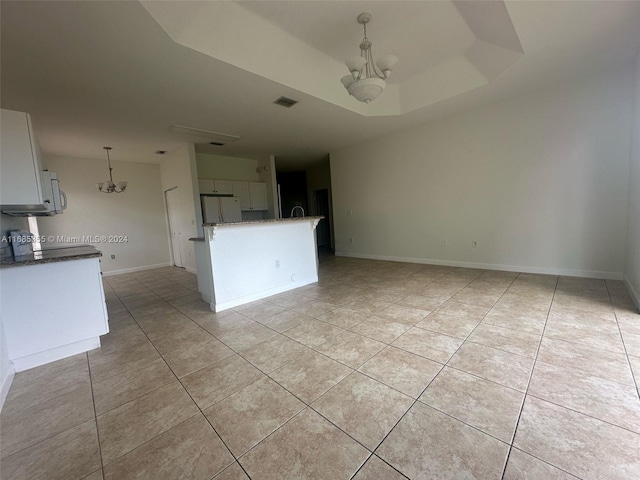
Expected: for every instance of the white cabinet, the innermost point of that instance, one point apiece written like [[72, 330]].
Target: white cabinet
[[222, 187], [20, 182], [258, 195], [253, 195]]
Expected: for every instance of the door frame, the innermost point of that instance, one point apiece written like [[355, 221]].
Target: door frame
[[172, 246]]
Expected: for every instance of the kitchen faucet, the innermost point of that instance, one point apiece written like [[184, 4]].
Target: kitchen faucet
[[294, 209]]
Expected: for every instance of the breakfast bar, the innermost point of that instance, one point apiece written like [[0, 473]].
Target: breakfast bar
[[240, 262]]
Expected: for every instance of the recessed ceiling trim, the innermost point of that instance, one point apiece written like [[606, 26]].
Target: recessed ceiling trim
[[198, 132]]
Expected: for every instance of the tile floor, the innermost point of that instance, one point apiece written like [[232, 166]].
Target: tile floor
[[380, 371]]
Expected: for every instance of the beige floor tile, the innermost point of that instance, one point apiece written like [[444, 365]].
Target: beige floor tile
[[632, 343], [283, 321], [232, 472], [429, 444], [71, 454], [635, 367], [608, 365], [316, 308], [376, 469], [274, 353], [578, 444], [97, 475], [219, 380], [612, 402], [24, 428], [156, 326], [350, 348], [423, 302], [453, 325], [344, 317], [218, 325], [401, 370], [609, 342], [310, 375], [134, 423], [460, 309], [120, 389], [30, 388], [259, 310], [246, 337], [189, 450], [103, 366], [368, 305], [522, 466], [520, 321], [356, 400], [489, 407], [505, 368], [381, 329], [306, 448], [313, 333], [250, 414], [509, 340], [185, 338], [407, 315], [190, 358], [428, 344]]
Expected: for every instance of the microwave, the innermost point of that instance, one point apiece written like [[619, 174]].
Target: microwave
[[55, 200]]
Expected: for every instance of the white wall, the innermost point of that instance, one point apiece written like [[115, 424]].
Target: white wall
[[632, 273], [539, 181], [175, 171], [227, 168], [138, 213]]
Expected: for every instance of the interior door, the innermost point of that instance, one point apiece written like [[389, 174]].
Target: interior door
[[173, 214]]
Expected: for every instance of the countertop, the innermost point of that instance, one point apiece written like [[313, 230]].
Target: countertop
[[52, 255], [267, 220]]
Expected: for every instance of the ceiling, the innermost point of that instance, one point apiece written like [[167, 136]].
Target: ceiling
[[122, 73]]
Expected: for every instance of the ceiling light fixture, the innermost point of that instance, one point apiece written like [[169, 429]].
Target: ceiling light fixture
[[367, 79], [109, 186]]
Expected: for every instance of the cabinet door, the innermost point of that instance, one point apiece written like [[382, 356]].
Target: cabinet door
[[223, 187], [19, 162], [241, 190], [258, 194], [205, 186]]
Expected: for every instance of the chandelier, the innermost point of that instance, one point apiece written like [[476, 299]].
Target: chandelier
[[109, 186], [367, 79]]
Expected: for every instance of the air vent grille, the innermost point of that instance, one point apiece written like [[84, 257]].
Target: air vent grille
[[217, 144], [285, 102], [160, 152]]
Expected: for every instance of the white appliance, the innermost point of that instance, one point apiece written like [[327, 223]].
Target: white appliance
[[55, 200], [220, 209]]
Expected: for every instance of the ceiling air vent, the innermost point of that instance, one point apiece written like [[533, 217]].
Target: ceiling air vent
[[217, 144], [160, 152], [285, 102]]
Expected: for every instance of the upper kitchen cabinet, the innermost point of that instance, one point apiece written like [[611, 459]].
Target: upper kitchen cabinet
[[220, 187], [20, 182], [253, 195]]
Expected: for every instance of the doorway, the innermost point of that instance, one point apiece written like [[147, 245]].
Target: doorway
[[173, 216], [323, 230]]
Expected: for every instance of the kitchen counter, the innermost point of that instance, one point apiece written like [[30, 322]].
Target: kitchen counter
[[264, 220], [52, 255]]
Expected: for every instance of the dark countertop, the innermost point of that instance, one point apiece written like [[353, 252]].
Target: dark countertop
[[264, 220], [52, 255]]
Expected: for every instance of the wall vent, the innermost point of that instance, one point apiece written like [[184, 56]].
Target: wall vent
[[285, 102], [160, 152]]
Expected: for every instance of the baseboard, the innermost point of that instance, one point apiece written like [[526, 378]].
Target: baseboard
[[492, 266], [135, 269], [37, 359], [219, 307], [6, 384], [635, 295], [191, 270]]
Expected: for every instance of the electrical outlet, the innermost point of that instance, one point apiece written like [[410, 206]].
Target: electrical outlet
[[277, 263], [351, 240], [444, 242], [113, 257], [349, 212], [474, 244]]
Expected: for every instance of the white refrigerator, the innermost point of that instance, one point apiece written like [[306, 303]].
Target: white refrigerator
[[217, 209]]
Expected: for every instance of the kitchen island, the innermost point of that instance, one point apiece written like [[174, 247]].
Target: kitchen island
[[241, 262], [53, 304]]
